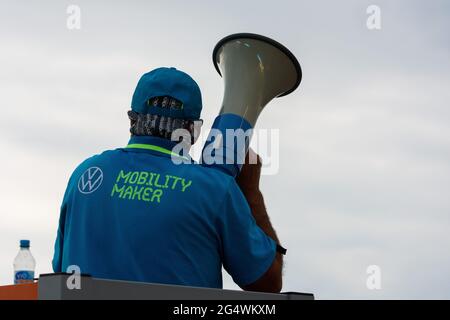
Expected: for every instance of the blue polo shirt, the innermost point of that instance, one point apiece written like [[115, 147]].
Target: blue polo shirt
[[133, 214]]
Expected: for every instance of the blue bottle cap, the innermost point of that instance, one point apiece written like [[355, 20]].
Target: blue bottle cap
[[24, 243]]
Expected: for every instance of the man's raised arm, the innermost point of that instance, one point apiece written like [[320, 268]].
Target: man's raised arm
[[248, 181]]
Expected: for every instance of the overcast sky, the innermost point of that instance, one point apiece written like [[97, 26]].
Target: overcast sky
[[364, 173]]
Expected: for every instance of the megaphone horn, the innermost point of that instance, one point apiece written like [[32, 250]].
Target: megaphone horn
[[255, 69]]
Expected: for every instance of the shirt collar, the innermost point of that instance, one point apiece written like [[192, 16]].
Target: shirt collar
[[155, 145]]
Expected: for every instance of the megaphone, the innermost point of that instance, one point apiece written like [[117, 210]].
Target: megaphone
[[255, 69]]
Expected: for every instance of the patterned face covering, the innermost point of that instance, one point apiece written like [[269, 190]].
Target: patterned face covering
[[160, 126]]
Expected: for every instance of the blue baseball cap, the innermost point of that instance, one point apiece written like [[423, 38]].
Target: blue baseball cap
[[170, 82]]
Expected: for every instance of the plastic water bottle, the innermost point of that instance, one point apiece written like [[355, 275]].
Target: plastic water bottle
[[24, 264]]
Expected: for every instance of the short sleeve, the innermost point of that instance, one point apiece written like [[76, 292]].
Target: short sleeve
[[247, 251]]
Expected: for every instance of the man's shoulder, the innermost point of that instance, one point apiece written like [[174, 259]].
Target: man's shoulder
[[211, 180], [92, 167], [102, 159]]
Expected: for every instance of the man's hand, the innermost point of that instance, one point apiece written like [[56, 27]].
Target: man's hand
[[248, 178], [248, 181]]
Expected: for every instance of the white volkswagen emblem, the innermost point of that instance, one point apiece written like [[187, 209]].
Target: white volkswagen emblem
[[90, 180]]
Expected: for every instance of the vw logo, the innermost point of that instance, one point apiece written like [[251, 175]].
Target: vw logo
[[90, 180]]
